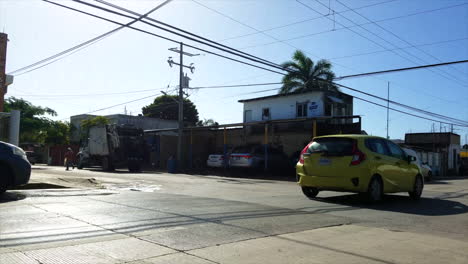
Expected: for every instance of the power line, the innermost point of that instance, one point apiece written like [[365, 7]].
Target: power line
[[181, 30], [367, 38], [406, 47], [363, 24], [303, 21], [119, 104], [249, 56], [401, 69], [90, 94], [234, 85], [239, 22], [86, 43], [402, 39], [174, 41], [406, 113]]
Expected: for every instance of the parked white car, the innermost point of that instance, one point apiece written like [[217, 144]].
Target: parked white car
[[215, 161], [425, 169]]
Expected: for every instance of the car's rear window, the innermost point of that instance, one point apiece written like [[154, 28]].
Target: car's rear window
[[332, 146]]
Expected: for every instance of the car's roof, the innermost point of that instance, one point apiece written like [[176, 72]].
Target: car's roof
[[349, 136]]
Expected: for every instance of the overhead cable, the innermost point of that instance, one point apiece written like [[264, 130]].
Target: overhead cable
[[82, 45]]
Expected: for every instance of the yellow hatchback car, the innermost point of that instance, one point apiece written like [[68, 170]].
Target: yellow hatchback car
[[357, 163]]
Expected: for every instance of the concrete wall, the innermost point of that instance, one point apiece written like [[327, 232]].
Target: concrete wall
[[285, 107]]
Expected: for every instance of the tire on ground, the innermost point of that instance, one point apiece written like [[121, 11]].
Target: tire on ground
[[310, 192], [375, 189], [418, 187]]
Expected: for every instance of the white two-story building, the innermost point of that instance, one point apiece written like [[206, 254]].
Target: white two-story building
[[298, 105]]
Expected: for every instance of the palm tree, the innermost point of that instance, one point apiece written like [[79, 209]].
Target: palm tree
[[305, 75]]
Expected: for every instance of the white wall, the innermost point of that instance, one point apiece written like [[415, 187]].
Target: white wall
[[285, 107], [451, 157]]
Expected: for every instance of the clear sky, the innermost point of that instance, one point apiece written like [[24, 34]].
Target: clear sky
[[110, 71]]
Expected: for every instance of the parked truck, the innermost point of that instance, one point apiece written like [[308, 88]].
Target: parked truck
[[111, 147]]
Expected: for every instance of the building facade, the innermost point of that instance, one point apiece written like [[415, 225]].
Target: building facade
[[445, 146], [297, 105]]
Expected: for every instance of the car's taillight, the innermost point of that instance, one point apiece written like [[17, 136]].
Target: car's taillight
[[221, 158], [301, 157], [358, 156], [245, 156]]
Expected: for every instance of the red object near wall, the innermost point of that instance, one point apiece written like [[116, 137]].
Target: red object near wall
[[57, 153]]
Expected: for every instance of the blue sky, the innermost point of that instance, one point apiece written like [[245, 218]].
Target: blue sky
[[131, 61]]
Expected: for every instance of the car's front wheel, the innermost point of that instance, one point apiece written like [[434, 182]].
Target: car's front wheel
[[310, 192], [375, 190], [418, 187]]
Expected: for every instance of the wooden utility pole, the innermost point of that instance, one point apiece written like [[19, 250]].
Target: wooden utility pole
[[3, 51]]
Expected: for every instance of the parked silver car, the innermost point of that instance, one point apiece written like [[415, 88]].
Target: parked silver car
[[425, 169], [253, 156]]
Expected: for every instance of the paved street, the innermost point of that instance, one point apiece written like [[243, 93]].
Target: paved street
[[170, 218]]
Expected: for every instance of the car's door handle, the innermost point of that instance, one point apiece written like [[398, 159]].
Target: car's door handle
[[378, 158]]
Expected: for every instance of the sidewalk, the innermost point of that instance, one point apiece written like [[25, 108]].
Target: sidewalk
[[339, 244]]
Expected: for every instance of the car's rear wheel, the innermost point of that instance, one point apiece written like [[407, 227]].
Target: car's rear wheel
[[375, 190], [418, 187], [310, 192]]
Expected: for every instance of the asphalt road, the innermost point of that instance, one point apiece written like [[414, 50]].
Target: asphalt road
[[172, 218]]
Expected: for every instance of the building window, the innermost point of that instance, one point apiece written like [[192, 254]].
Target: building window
[[248, 116], [301, 110], [266, 114]]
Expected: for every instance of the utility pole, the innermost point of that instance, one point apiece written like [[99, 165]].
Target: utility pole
[[3, 51], [180, 100], [181, 105], [388, 105]]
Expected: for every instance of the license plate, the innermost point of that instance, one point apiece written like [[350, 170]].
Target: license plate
[[324, 162]]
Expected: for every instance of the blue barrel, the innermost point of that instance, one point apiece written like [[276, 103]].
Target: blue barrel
[[171, 165]]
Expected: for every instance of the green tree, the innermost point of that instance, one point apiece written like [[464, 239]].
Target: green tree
[[58, 133], [88, 123], [33, 125], [305, 75], [166, 107], [207, 122], [95, 121]]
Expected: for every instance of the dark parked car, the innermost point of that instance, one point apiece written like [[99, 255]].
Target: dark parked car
[[32, 157], [15, 168], [253, 156]]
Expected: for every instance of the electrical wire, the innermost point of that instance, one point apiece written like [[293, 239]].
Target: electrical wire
[[84, 44], [126, 102], [363, 24], [302, 21], [250, 57], [169, 39], [234, 85], [400, 38], [181, 30], [373, 41], [406, 47]]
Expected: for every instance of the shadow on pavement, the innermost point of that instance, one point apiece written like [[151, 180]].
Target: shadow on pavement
[[402, 204], [11, 197]]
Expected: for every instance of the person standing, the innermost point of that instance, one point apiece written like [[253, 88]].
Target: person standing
[[69, 159]]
